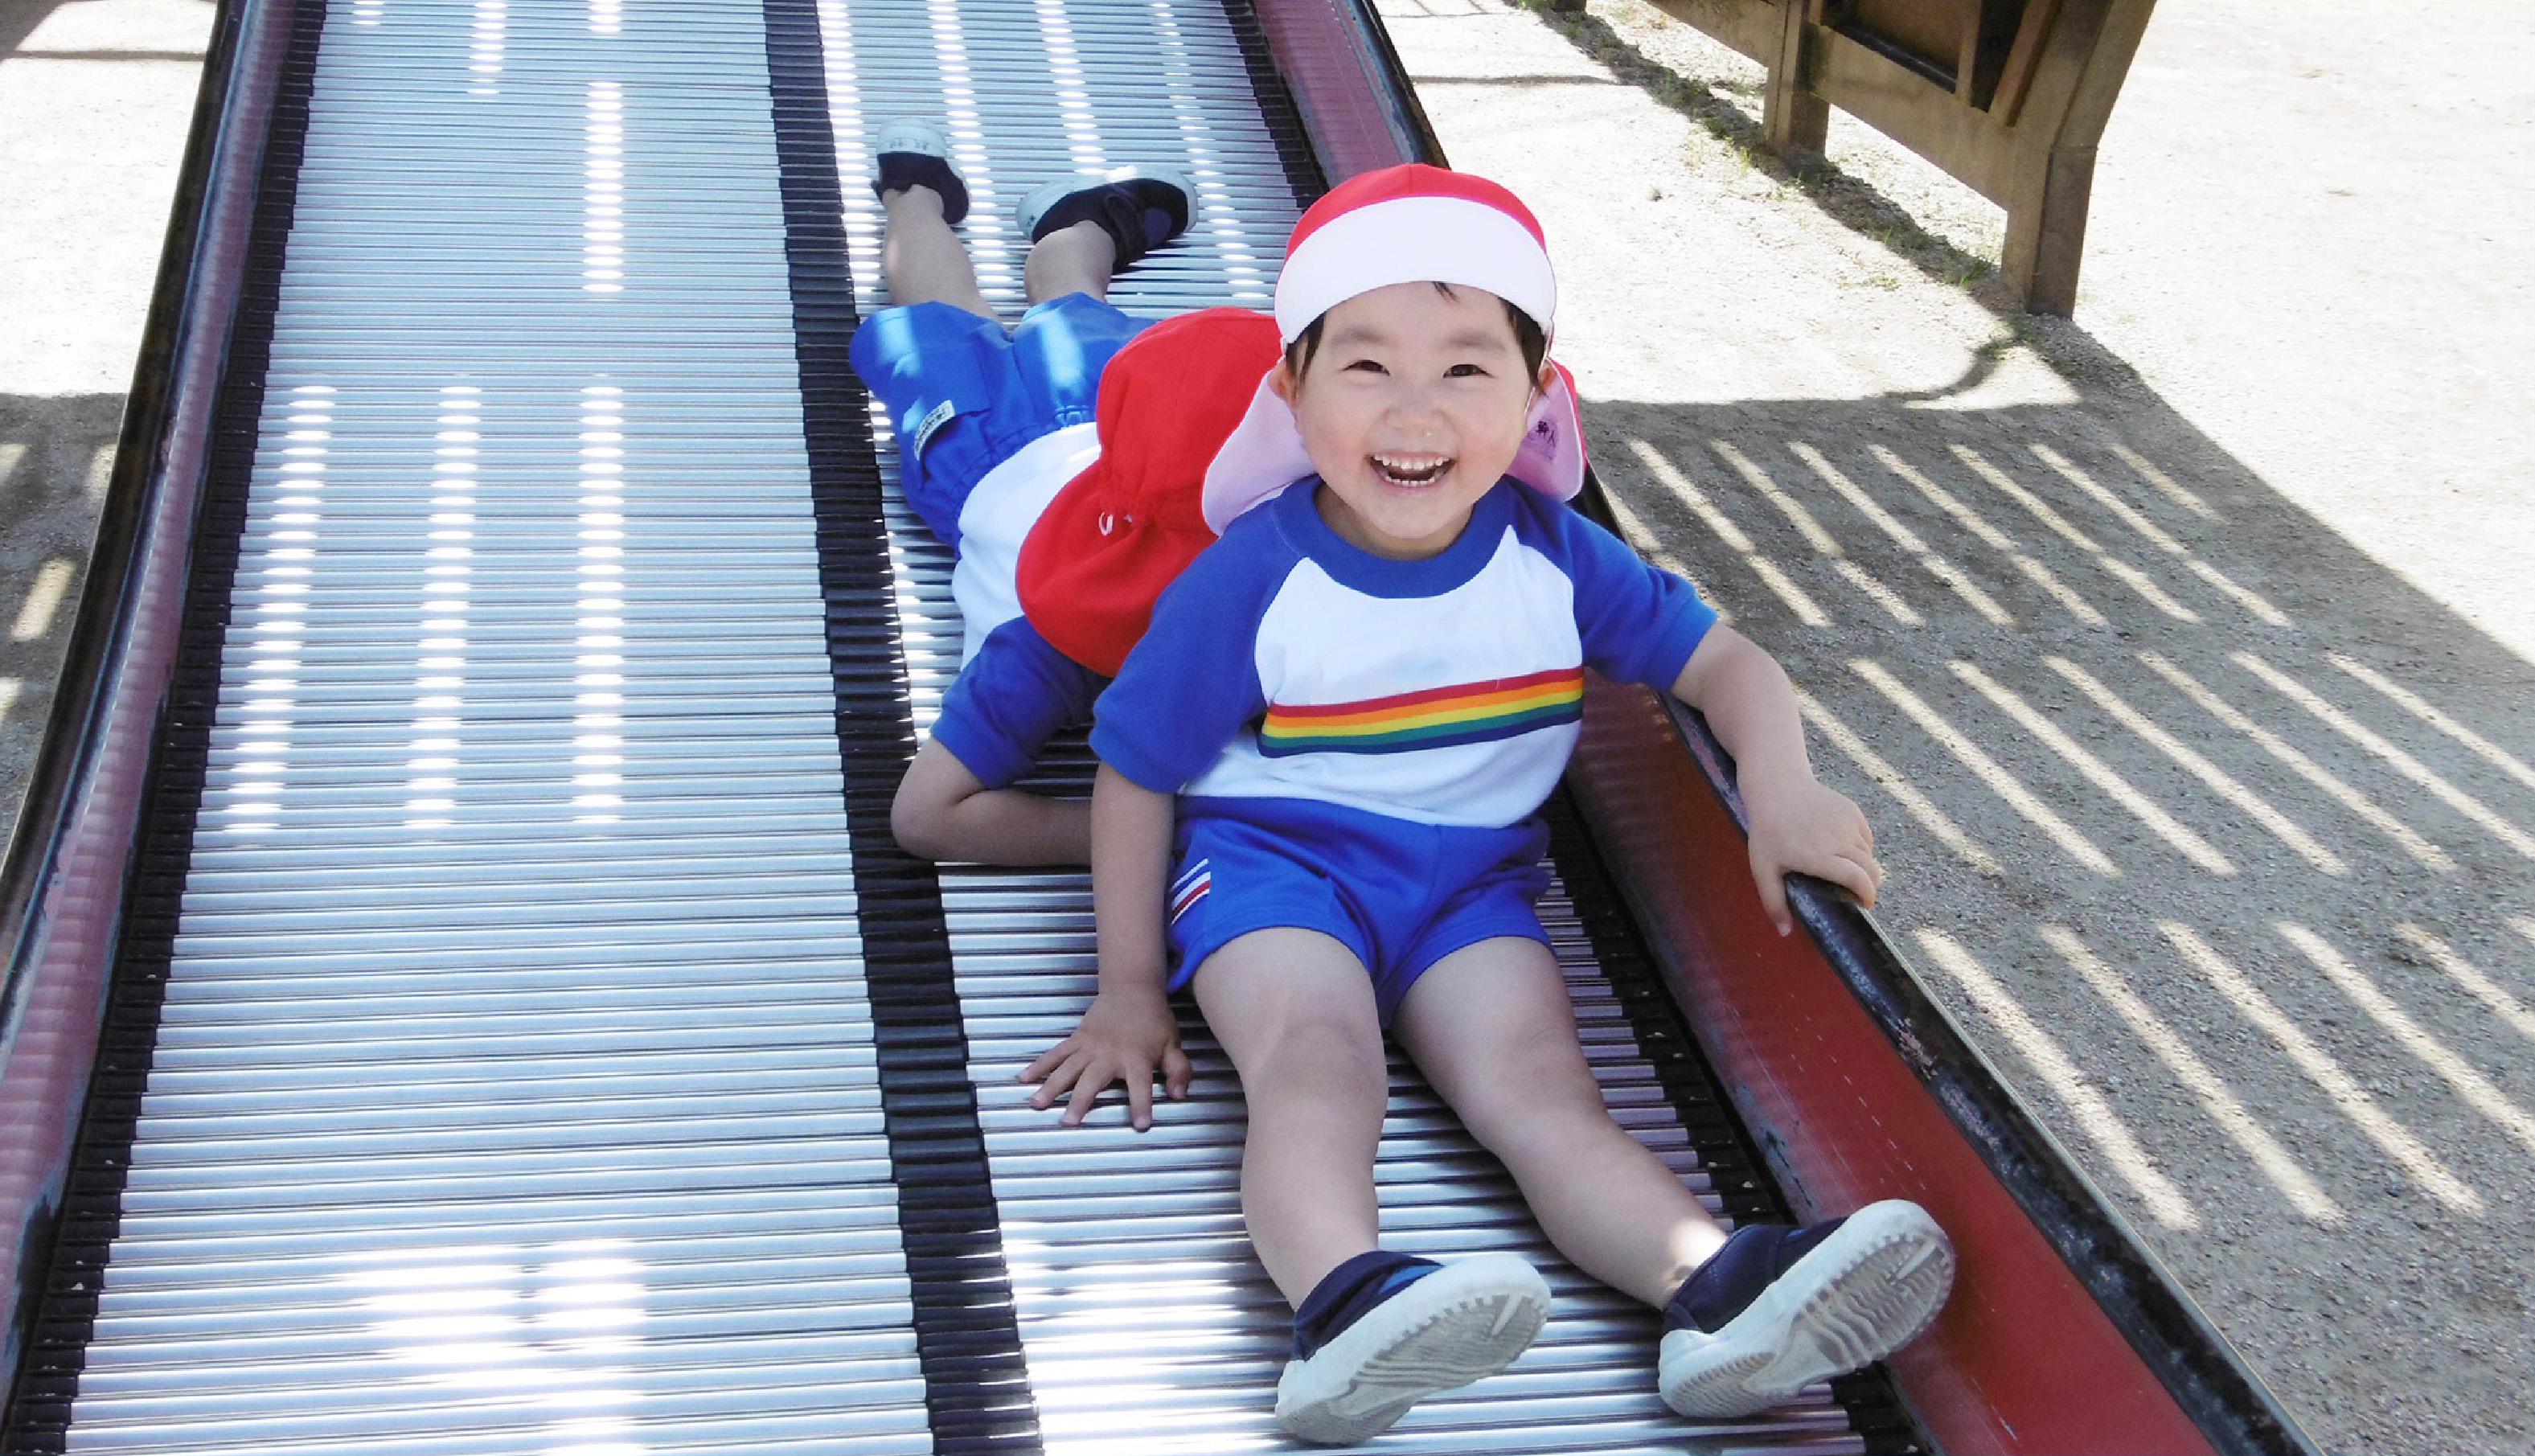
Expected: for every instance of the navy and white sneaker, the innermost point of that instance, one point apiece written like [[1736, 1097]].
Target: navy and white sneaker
[[1778, 1309], [1141, 208], [1383, 1332], [911, 152]]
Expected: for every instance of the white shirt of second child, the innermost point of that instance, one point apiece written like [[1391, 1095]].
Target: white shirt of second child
[[997, 518]]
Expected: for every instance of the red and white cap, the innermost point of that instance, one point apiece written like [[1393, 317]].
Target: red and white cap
[[1124, 529], [1410, 223]]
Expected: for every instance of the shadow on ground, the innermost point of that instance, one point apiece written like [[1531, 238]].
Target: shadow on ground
[[55, 452], [22, 19], [2224, 831], [2218, 831], [2169, 771]]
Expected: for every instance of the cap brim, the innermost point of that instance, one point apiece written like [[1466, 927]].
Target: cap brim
[[1552, 457], [1262, 456]]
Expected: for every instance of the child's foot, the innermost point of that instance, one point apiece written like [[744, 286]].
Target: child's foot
[[913, 153], [1777, 1308], [1139, 207], [1418, 1328]]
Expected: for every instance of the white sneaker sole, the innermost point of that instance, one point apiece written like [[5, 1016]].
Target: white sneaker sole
[[1863, 1292], [911, 134], [1466, 1320]]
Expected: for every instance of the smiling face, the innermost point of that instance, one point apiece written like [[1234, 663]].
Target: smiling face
[[1412, 406]]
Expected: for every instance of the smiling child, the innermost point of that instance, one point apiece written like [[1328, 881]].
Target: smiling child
[[1321, 770]]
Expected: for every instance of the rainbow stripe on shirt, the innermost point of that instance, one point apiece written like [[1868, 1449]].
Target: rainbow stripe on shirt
[[1430, 718]]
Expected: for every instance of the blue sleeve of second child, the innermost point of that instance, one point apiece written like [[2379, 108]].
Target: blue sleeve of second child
[[1010, 699], [1192, 682], [1639, 622]]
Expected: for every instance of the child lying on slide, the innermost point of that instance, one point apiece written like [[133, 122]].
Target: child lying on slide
[[1077, 412]]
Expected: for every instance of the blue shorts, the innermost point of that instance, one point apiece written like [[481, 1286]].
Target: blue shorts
[[965, 395], [1400, 895]]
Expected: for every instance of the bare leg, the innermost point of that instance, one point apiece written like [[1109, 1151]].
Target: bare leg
[[1492, 1028], [922, 258], [1071, 260], [1294, 1009]]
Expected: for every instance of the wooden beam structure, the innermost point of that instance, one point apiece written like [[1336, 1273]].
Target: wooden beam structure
[[2007, 97]]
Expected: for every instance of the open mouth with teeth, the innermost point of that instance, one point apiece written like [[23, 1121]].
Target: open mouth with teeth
[[1412, 469]]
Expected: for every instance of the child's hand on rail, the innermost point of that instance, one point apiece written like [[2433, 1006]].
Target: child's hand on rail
[[1124, 1037], [1801, 827], [1797, 825]]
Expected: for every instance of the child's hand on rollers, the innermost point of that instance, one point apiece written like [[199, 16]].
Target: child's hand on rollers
[[1124, 1037]]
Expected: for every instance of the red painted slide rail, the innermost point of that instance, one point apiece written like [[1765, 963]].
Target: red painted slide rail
[[2064, 1335]]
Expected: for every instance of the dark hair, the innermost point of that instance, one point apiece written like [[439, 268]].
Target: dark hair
[[1528, 337]]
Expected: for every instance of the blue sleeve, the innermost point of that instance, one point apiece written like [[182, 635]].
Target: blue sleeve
[[1639, 623], [1010, 699], [1192, 682]]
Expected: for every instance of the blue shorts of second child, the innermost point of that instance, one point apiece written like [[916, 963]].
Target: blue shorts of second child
[[965, 395], [1401, 896]]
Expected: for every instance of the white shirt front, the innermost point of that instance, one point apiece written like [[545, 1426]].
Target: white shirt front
[[997, 518]]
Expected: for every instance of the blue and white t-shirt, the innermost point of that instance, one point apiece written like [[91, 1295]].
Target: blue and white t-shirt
[[1287, 663]]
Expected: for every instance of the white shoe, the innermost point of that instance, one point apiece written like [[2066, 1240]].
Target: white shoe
[[909, 137], [1468, 1319], [1858, 1296]]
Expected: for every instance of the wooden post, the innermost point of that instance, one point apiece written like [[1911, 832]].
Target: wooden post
[[2046, 233], [2079, 73], [2007, 97], [1792, 118]]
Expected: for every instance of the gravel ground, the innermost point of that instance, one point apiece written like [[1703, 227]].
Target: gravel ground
[[2168, 647], [96, 97]]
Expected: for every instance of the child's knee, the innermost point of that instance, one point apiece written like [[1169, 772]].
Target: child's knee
[[1335, 1049], [1332, 1051], [1539, 1091]]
